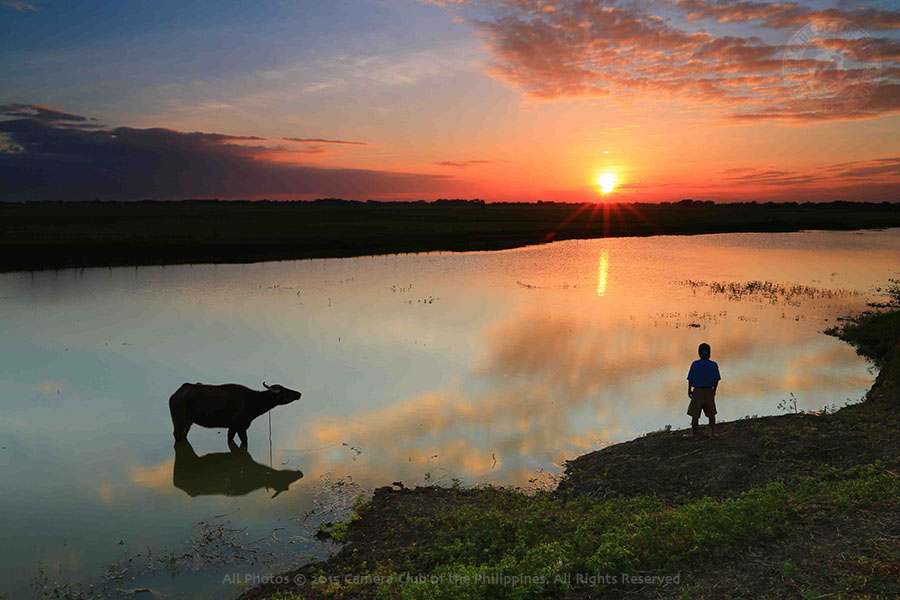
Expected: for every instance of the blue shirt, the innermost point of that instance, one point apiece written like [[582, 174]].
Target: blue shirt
[[703, 373]]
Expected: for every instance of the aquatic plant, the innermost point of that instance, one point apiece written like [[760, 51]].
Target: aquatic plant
[[770, 291]]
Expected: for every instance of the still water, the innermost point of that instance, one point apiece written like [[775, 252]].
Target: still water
[[483, 367]]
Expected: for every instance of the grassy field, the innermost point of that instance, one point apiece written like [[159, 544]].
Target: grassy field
[[57, 235], [800, 505]]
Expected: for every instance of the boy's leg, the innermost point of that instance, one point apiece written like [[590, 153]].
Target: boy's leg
[[712, 425], [695, 424]]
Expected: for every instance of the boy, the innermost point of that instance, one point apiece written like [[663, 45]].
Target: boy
[[703, 379]]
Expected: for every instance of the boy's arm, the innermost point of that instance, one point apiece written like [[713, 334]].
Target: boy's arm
[[690, 392]]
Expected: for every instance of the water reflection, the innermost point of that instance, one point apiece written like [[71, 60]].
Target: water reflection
[[232, 473], [556, 383], [602, 272], [483, 366]]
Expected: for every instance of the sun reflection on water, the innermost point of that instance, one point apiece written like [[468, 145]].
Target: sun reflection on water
[[602, 272]]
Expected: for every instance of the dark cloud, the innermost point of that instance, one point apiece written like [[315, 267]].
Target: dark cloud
[[221, 137], [39, 112], [47, 158]]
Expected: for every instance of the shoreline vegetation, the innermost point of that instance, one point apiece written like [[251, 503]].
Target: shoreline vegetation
[[55, 235], [801, 505]]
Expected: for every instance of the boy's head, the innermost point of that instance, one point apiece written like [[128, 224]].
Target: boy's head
[[703, 350]]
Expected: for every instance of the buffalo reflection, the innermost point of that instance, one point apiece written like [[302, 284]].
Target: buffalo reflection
[[232, 473]]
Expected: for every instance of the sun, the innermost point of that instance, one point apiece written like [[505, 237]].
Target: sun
[[606, 182]]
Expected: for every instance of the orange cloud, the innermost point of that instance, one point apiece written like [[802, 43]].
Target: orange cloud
[[626, 51], [463, 163], [884, 171], [158, 476], [786, 14], [325, 141]]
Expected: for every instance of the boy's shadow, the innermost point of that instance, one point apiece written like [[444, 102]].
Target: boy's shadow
[[232, 473]]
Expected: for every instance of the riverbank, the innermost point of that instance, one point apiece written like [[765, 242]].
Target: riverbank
[[55, 235], [800, 505]]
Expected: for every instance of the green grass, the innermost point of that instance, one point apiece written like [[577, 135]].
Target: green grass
[[339, 532], [547, 538], [54, 234], [506, 545]]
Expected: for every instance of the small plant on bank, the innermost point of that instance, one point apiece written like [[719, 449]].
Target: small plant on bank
[[339, 532], [789, 405]]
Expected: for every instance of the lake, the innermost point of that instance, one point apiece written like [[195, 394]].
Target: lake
[[431, 368]]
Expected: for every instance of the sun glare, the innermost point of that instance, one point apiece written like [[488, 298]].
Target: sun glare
[[606, 182]]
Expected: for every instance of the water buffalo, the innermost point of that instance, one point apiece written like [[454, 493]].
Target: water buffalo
[[230, 405], [232, 473]]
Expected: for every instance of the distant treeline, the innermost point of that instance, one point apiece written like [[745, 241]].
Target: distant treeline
[[38, 235], [473, 202]]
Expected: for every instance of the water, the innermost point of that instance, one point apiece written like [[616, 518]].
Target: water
[[485, 367]]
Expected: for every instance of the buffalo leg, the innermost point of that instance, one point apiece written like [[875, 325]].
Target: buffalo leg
[[242, 433], [181, 422], [181, 429], [231, 432]]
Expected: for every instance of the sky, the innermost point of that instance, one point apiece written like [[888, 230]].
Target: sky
[[504, 100]]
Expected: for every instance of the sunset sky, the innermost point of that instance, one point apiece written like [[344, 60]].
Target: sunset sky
[[496, 99]]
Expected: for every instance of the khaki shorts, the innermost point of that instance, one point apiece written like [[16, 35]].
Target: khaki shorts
[[704, 399]]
